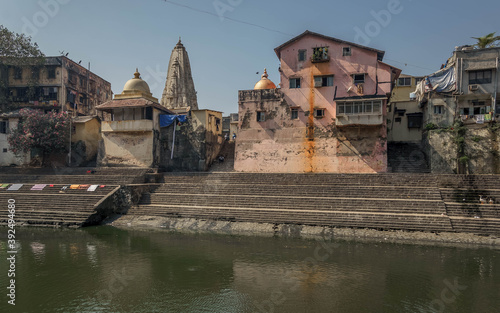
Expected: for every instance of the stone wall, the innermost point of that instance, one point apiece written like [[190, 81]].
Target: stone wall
[[481, 151]]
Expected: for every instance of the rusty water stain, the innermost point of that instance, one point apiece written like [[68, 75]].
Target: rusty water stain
[[310, 144]]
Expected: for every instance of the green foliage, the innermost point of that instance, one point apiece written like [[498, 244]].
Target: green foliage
[[464, 159], [43, 132], [16, 50], [487, 41], [431, 126], [476, 138]]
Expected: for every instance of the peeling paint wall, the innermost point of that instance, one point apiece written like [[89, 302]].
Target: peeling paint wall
[[280, 144]]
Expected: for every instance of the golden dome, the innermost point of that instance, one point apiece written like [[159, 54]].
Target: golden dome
[[136, 83], [264, 83], [136, 88]]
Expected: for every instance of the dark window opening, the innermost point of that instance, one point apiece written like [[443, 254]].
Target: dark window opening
[[415, 120], [404, 81], [319, 113], [51, 73], [4, 150], [261, 116], [358, 78], [302, 55], [480, 77], [295, 114], [18, 73], [438, 109], [346, 51], [397, 120], [4, 127], [35, 73], [294, 82], [149, 113], [323, 81]]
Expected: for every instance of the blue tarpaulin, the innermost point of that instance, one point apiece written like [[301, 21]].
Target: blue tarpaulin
[[167, 119]]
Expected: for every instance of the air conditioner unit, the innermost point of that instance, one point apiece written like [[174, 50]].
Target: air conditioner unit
[[473, 87], [413, 96]]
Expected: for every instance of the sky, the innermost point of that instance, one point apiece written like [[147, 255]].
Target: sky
[[229, 41]]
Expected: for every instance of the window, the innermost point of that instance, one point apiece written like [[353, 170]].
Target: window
[[418, 80], [295, 114], [346, 51], [51, 73], [302, 55], [319, 113], [4, 127], [35, 73], [323, 81], [261, 116], [480, 77], [358, 78], [414, 120], [438, 109], [320, 54], [294, 82], [4, 150], [404, 81], [361, 107], [397, 120], [18, 73]]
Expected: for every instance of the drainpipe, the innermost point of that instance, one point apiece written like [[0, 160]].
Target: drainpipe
[[496, 90]]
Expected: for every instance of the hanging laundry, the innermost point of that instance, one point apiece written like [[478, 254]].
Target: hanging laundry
[[15, 187], [84, 186], [92, 187], [74, 186], [38, 187]]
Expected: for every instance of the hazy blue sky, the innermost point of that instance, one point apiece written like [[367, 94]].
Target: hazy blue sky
[[118, 36]]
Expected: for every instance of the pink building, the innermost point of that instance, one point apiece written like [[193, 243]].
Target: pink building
[[328, 116]]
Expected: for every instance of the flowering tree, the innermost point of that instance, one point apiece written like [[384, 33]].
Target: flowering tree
[[42, 132]]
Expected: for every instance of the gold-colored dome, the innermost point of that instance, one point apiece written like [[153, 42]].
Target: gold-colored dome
[[264, 83], [137, 83]]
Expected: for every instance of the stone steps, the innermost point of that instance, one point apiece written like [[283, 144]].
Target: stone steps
[[338, 219]]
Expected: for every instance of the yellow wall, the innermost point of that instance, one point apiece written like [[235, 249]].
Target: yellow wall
[[89, 133], [400, 99]]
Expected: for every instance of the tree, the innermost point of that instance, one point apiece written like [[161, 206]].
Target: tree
[[19, 51], [44, 133], [487, 41]]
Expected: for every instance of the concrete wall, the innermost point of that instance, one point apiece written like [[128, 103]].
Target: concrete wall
[[280, 144], [128, 149], [90, 134], [480, 146], [8, 158]]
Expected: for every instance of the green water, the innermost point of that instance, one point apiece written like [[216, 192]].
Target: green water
[[103, 269]]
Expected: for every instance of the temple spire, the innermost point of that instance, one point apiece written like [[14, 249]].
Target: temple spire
[[179, 91]]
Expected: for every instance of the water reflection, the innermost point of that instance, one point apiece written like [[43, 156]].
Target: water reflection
[[103, 269]]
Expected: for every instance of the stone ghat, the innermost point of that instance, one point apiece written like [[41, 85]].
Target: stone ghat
[[56, 206], [413, 202]]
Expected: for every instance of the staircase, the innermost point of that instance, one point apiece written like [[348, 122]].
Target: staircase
[[406, 158], [227, 151]]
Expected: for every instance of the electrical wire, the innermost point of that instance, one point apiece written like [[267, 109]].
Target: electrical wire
[[229, 18], [270, 29]]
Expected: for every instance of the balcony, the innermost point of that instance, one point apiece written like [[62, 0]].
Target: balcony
[[127, 126], [359, 119]]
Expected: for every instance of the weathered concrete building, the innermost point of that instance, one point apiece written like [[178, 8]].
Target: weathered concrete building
[[131, 127], [404, 114], [328, 116], [9, 122], [58, 84], [461, 109]]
